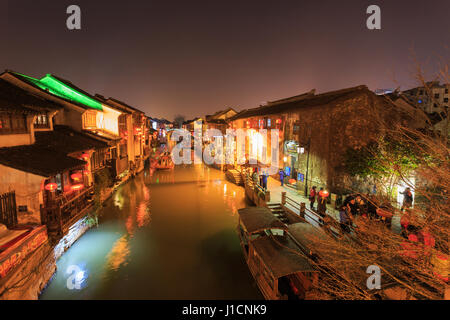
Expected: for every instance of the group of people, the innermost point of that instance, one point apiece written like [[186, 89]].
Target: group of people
[[352, 207], [261, 178], [321, 197], [366, 207]]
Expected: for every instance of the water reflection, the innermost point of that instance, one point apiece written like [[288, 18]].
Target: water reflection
[[118, 254], [164, 235]]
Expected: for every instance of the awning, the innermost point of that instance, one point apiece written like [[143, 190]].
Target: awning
[[256, 219], [38, 160], [306, 234], [281, 256]]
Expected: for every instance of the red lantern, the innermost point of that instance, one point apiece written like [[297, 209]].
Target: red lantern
[[76, 176], [85, 156], [51, 187], [77, 186], [324, 193]]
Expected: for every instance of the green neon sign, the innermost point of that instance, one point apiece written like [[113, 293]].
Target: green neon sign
[[58, 88]]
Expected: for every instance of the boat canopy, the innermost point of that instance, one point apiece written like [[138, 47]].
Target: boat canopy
[[257, 219], [306, 234], [281, 256]]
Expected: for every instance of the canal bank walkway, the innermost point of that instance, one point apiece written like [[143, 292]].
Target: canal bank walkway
[[275, 188]]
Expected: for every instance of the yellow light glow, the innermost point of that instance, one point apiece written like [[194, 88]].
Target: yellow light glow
[[108, 120]]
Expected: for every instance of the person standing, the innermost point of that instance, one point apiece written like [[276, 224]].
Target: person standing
[[345, 219], [322, 203], [405, 221], [255, 177], [374, 189], [281, 173], [407, 199], [312, 197], [265, 176], [260, 178], [350, 202]]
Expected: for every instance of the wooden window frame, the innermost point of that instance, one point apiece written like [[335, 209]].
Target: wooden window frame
[[12, 120]]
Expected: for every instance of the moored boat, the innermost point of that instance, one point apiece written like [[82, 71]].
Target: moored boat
[[163, 162], [281, 270]]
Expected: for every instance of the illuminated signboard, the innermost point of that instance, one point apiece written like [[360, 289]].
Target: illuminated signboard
[[17, 253]]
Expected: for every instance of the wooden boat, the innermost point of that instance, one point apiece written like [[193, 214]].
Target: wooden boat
[[162, 163], [281, 270]]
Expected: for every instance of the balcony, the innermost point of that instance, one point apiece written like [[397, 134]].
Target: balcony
[[63, 211], [39, 126]]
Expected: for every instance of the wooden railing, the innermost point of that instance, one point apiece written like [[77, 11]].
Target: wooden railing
[[8, 210], [41, 126], [300, 209], [63, 210], [255, 189]]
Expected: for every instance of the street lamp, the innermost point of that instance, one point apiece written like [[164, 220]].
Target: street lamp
[[307, 166]]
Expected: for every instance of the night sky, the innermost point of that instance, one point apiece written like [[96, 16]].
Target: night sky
[[197, 57]]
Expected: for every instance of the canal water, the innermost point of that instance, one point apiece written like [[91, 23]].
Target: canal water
[[163, 235]]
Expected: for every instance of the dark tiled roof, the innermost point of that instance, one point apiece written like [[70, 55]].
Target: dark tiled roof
[[216, 121], [124, 104], [17, 100], [309, 101], [162, 120], [219, 113], [38, 160], [191, 121], [66, 140], [99, 99], [114, 105], [103, 136], [294, 98], [70, 84], [165, 121]]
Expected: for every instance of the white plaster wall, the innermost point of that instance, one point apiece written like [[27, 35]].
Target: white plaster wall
[[28, 192]]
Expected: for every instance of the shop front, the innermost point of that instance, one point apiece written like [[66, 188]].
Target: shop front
[[290, 159]]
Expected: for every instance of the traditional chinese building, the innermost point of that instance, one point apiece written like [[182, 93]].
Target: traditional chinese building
[[29, 200], [82, 112], [219, 120], [315, 130], [134, 134]]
